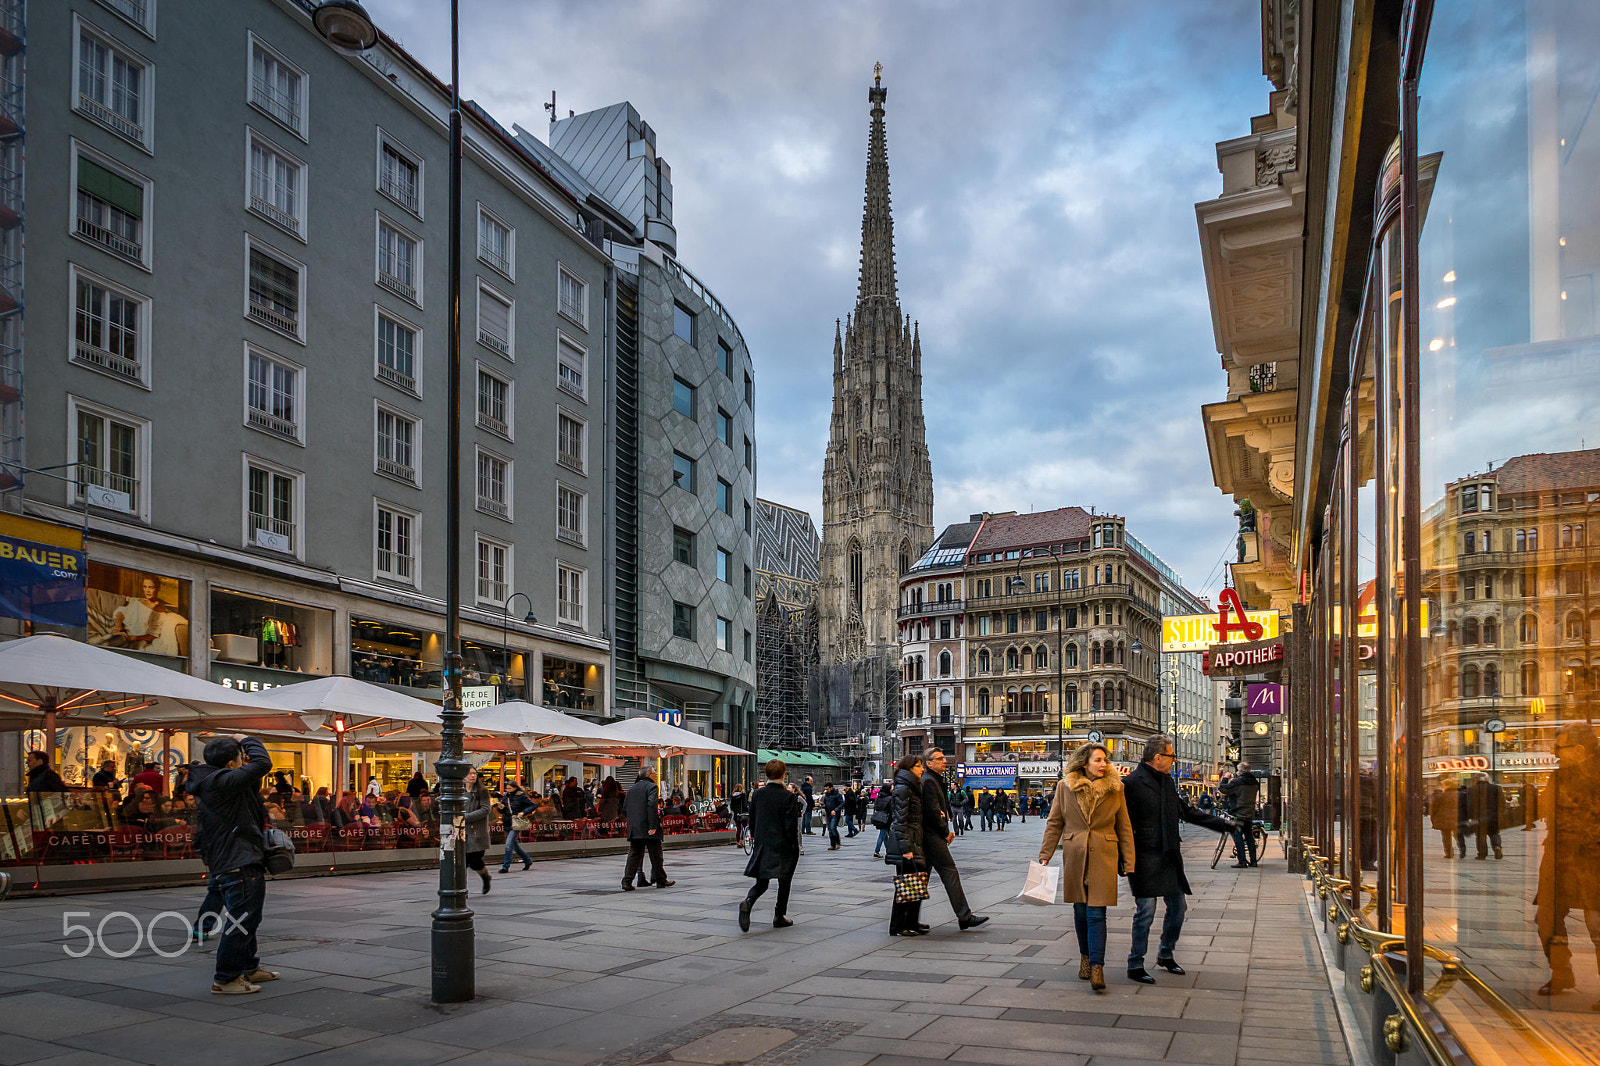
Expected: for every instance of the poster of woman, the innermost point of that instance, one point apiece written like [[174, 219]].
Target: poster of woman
[[137, 611]]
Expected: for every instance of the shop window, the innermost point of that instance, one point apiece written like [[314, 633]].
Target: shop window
[[570, 684], [388, 654], [497, 665], [268, 633]]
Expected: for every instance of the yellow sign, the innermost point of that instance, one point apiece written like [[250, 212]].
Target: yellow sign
[[1197, 632]]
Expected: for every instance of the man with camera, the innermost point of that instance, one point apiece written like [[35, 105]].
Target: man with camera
[[231, 841]]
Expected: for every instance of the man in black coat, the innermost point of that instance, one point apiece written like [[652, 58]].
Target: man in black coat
[[641, 807], [775, 844], [1483, 805], [42, 777], [229, 837], [811, 803], [937, 836], [1155, 807], [1239, 795]]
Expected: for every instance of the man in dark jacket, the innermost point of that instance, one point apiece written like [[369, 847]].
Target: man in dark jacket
[[1483, 805], [832, 811], [227, 786], [937, 836], [985, 811], [1155, 807], [852, 809], [774, 844], [1239, 794], [811, 803], [644, 829], [41, 777]]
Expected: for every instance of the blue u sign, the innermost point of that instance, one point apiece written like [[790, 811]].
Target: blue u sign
[[671, 717]]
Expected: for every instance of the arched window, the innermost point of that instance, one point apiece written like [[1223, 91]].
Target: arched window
[[1491, 632], [983, 701], [1072, 656], [1011, 658], [1469, 683], [1070, 704], [1533, 539], [1469, 631], [1569, 676], [1522, 540], [905, 556], [1530, 679], [944, 664], [1027, 659], [1011, 701], [1041, 658], [1528, 629], [1566, 536], [857, 575], [1026, 703], [983, 662], [1577, 535], [1094, 654], [1574, 626], [1491, 680], [1469, 544], [1094, 697]]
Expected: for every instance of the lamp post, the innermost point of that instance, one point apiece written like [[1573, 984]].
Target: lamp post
[[505, 640], [345, 25]]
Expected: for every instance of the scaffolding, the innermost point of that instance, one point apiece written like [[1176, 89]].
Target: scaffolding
[[785, 648], [13, 126]]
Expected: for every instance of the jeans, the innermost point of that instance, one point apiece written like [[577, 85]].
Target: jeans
[[805, 819], [244, 892], [850, 825], [883, 841], [209, 921], [760, 886], [636, 853], [987, 818], [831, 824], [1144, 914], [512, 848], [1245, 840], [1486, 837], [1091, 926]]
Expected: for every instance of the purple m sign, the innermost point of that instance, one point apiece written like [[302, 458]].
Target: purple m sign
[[1265, 698]]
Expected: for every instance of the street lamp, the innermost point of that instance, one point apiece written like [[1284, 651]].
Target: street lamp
[[345, 25], [505, 639]]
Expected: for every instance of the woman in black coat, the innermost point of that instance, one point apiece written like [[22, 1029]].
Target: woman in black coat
[[774, 843], [905, 842]]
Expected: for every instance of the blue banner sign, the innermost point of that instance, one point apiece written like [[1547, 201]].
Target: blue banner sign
[[42, 583], [989, 774]]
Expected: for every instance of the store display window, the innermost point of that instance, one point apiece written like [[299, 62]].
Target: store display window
[[571, 685], [257, 631], [135, 610], [492, 664], [387, 654]]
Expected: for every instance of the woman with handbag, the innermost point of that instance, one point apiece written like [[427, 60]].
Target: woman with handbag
[[905, 850], [476, 809], [515, 808], [1089, 822]]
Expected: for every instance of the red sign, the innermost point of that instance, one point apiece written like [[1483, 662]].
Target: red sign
[[1229, 601], [1241, 657]]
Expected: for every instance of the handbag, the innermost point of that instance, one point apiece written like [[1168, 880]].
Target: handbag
[[1042, 886], [911, 887], [277, 852], [520, 823]]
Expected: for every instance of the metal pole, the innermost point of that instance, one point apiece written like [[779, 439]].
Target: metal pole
[[1061, 684], [452, 933]]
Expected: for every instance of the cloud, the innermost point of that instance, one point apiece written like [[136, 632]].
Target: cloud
[[1044, 161]]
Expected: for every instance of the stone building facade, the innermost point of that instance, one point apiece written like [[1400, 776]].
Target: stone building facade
[[877, 481]]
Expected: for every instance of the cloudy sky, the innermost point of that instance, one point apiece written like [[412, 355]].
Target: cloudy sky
[[1044, 160]]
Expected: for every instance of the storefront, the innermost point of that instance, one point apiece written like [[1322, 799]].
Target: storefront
[[385, 653], [570, 685], [259, 633]]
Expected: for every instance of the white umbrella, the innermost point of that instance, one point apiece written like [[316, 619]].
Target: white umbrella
[[650, 733], [540, 727]]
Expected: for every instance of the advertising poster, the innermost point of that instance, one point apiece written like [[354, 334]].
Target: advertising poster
[[41, 583], [137, 610]]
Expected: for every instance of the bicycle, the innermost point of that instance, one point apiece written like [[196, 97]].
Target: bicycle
[[742, 832], [1258, 833]]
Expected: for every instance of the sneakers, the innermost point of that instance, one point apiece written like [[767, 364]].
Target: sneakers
[[261, 976], [236, 987]]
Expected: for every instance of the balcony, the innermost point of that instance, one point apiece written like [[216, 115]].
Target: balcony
[[931, 607], [570, 462], [403, 193], [570, 537], [497, 261], [113, 242], [493, 424], [271, 423], [494, 507], [397, 378], [494, 341], [401, 471], [276, 534], [284, 107], [132, 10], [110, 119], [270, 316], [400, 288], [274, 214], [108, 361], [91, 478]]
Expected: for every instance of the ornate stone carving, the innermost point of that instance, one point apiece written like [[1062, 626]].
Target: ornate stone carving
[[1270, 162]]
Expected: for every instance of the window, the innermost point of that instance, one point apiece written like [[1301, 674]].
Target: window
[[1469, 544], [683, 471], [110, 328], [277, 185], [1041, 620], [399, 262], [494, 485], [494, 567], [496, 242], [747, 645], [572, 296], [398, 349], [113, 86], [749, 391], [570, 442], [724, 564], [683, 322], [747, 582], [724, 497], [396, 442], [394, 545], [139, 12], [276, 290], [1528, 629], [569, 515], [277, 88], [112, 466], [399, 174], [273, 394], [724, 427], [944, 629], [749, 455], [570, 363], [1011, 622], [683, 621], [494, 403], [272, 507], [724, 634], [1041, 582], [724, 358], [110, 208], [944, 664], [747, 523], [494, 321], [683, 546], [983, 702], [569, 594], [683, 398]]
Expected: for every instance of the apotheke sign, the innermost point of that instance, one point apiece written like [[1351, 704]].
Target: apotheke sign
[[1258, 657]]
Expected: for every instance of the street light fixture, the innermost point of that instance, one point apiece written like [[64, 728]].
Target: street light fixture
[[505, 639], [347, 28]]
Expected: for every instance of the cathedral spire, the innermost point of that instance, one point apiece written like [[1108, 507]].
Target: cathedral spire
[[877, 224]]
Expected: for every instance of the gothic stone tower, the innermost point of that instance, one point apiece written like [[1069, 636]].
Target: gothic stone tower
[[877, 482]]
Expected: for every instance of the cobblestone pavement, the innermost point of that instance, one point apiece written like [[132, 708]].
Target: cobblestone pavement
[[572, 970]]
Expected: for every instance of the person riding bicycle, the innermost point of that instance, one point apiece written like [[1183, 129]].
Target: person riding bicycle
[[1240, 792], [739, 804]]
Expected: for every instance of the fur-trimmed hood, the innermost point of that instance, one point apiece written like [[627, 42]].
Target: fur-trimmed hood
[[1089, 791]]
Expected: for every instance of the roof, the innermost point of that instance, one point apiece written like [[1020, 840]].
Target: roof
[[1550, 470], [950, 549], [800, 758], [1029, 530]]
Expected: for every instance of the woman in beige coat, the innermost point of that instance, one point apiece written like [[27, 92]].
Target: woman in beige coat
[[1089, 821]]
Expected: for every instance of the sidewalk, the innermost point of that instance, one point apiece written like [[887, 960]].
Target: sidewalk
[[572, 970]]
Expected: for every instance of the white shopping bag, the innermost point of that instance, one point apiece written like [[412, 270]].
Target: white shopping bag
[[1043, 885]]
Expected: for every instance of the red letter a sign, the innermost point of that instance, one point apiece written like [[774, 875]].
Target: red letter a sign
[[1230, 602]]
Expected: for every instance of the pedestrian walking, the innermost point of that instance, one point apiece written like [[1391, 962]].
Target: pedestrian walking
[[232, 844], [968, 804], [477, 808], [832, 811], [811, 803], [852, 809], [515, 808], [906, 839], [1569, 868], [937, 835], [882, 817], [739, 808], [1155, 807], [1240, 793], [644, 830], [1089, 823], [1444, 814], [774, 844], [1002, 810], [1483, 805], [985, 811]]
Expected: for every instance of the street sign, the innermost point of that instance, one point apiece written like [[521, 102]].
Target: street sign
[[1265, 698], [1095, 736], [478, 697], [1495, 725], [670, 716]]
